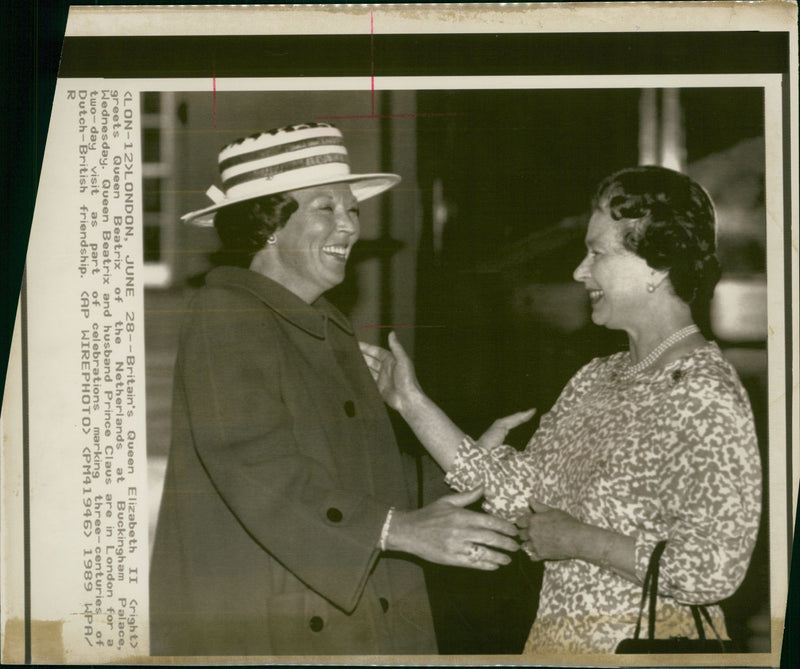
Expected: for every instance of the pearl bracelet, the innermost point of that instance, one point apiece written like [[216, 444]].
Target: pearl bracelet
[[385, 529]]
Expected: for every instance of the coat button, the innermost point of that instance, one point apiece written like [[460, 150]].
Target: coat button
[[350, 408], [384, 604], [334, 515], [316, 624]]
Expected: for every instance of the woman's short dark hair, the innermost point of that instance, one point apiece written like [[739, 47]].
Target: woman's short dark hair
[[243, 228], [670, 223]]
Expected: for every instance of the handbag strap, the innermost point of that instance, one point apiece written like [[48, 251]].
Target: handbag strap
[[650, 591], [698, 623], [710, 622]]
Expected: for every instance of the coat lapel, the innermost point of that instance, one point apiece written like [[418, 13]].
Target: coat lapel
[[325, 340]]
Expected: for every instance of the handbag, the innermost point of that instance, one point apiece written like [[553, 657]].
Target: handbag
[[680, 644]]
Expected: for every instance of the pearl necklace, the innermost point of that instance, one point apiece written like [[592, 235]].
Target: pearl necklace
[[632, 370]]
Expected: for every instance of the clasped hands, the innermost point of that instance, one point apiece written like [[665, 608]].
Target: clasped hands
[[549, 534], [546, 533], [444, 532]]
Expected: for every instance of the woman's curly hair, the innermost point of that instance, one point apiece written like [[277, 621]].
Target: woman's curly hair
[[243, 228], [670, 222]]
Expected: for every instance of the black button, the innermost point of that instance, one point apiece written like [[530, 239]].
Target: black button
[[334, 515], [349, 408], [316, 624], [384, 604]]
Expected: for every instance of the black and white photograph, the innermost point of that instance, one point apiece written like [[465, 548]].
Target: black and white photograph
[[428, 342], [486, 251]]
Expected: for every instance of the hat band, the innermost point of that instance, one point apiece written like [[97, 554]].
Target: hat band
[[279, 149], [275, 170]]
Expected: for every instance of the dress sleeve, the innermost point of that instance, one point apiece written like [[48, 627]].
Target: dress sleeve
[[245, 437], [509, 477], [503, 472], [710, 492]]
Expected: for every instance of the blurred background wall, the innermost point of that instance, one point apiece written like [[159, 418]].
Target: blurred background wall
[[475, 249]]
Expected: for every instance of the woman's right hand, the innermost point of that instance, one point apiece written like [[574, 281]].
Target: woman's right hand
[[394, 375], [393, 372], [497, 432]]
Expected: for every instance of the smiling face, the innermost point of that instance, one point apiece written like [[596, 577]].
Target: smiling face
[[615, 277], [311, 250]]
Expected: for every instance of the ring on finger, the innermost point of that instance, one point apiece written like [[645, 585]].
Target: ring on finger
[[475, 553]]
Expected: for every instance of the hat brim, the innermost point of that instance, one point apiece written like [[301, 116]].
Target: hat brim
[[364, 186]]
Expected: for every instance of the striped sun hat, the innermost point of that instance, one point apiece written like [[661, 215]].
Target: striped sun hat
[[285, 159]]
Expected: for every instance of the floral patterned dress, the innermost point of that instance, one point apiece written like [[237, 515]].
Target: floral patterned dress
[[669, 454]]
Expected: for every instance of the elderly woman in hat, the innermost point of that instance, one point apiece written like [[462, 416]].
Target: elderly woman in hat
[[655, 443], [286, 526]]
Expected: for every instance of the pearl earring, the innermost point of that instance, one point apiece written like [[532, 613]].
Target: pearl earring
[[650, 288], [272, 239]]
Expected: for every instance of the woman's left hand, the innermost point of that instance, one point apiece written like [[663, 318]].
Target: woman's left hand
[[549, 534], [498, 431]]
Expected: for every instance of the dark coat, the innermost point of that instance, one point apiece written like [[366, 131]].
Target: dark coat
[[282, 468]]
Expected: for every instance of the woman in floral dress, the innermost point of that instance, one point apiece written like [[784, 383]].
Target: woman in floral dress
[[654, 443]]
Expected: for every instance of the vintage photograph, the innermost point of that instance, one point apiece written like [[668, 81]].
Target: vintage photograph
[[408, 337], [483, 263]]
